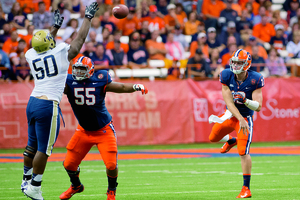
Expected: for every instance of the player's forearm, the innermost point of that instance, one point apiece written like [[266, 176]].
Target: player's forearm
[[53, 31], [234, 111]]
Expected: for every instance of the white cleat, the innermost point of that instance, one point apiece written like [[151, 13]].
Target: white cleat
[[34, 192], [24, 184]]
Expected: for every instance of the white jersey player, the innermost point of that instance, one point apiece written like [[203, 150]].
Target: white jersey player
[[49, 65]]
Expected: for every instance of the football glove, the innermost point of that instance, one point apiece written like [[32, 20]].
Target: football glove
[[58, 20], [140, 87], [239, 97], [91, 10]]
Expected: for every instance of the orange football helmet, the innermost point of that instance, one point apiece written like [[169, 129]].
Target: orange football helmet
[[83, 68], [240, 61]]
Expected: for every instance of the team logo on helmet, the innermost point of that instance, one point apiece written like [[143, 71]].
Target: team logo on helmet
[[82, 68], [42, 41]]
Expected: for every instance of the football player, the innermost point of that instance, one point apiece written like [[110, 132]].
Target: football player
[[49, 65], [86, 92], [242, 93]]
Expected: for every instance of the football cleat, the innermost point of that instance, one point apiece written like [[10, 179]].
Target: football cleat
[[111, 195], [33, 192], [226, 147], [245, 193], [24, 184], [71, 191]]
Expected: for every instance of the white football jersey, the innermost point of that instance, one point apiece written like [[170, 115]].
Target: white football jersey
[[50, 70]]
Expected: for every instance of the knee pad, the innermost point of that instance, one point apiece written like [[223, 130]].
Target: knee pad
[[242, 150], [111, 165], [29, 152]]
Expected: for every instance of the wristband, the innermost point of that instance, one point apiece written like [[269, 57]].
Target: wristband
[[253, 105]]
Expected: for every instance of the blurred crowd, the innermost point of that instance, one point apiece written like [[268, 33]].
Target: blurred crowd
[[157, 30]]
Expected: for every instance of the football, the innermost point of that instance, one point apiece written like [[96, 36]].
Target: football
[[120, 11]]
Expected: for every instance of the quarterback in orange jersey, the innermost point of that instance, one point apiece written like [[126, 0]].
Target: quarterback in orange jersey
[[242, 93], [86, 92]]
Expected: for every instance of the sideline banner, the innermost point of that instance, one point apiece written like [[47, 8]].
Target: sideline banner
[[172, 112]]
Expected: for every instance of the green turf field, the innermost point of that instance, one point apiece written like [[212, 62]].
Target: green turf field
[[273, 177]]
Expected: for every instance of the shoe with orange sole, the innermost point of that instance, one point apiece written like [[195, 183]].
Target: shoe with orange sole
[[226, 147], [111, 194], [245, 193], [71, 191]]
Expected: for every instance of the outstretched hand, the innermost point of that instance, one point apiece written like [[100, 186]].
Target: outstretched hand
[[58, 19], [140, 87], [239, 97], [91, 10]]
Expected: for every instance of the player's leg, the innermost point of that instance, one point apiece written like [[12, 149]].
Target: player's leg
[[30, 149], [243, 145], [220, 133], [77, 148], [107, 146], [47, 123]]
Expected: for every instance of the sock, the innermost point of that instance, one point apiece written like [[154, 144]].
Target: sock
[[74, 177], [232, 140], [27, 173], [247, 180], [112, 183], [36, 179], [225, 138]]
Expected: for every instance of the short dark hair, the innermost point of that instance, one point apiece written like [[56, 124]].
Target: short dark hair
[[20, 41], [41, 2]]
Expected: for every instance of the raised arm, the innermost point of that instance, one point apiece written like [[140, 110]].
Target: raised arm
[[58, 20], [77, 43]]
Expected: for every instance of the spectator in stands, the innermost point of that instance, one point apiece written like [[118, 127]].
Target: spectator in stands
[[11, 44], [42, 19], [67, 4], [23, 70], [191, 26], [212, 41], [294, 5], [2, 18], [117, 37], [118, 55], [211, 10], [64, 12], [156, 50], [7, 5], [293, 47], [198, 66], [179, 10], [294, 19], [130, 24], [278, 41], [215, 63], [171, 19], [175, 50], [261, 12], [225, 58], [244, 25], [72, 26], [102, 8], [249, 8], [17, 17], [15, 55], [143, 9], [137, 54], [264, 30], [278, 20], [230, 40], [155, 22], [82, 16], [144, 32], [105, 23], [200, 44], [261, 50], [162, 8], [275, 64], [231, 31], [100, 59], [28, 37], [94, 38], [106, 37], [173, 71], [6, 34], [179, 37], [258, 62], [295, 27], [95, 26], [89, 49], [4, 62], [228, 13]]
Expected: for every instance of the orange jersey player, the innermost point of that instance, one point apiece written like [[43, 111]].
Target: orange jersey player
[[86, 92], [242, 93]]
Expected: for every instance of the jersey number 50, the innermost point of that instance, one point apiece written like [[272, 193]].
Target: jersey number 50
[[48, 63]]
